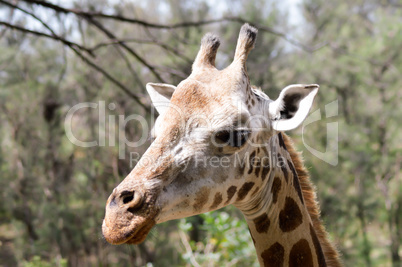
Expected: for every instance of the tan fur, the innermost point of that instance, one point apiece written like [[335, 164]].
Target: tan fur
[[309, 195]]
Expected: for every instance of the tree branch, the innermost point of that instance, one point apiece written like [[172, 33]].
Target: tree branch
[[130, 68], [186, 24], [126, 47], [41, 34], [90, 17], [74, 47], [136, 97], [149, 42]]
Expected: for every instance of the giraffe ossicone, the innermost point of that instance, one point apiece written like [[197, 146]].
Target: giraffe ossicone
[[218, 141]]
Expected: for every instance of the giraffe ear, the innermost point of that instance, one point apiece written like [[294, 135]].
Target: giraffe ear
[[292, 106], [160, 94]]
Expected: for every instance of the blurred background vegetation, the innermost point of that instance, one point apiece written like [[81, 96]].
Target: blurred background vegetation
[[54, 55]]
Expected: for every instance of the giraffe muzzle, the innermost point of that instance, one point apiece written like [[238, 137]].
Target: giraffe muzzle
[[128, 218]]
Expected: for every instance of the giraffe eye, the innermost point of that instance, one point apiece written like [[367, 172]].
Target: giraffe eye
[[235, 138]]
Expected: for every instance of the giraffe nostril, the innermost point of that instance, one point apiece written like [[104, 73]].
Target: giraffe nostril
[[131, 199], [127, 199]]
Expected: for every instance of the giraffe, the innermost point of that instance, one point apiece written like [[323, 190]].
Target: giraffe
[[219, 141]]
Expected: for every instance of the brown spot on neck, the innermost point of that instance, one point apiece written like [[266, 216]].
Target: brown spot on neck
[[296, 182], [251, 162], [300, 255], [201, 198], [231, 191], [262, 223], [265, 168], [290, 217], [274, 256], [258, 169], [217, 200], [276, 187], [243, 191]]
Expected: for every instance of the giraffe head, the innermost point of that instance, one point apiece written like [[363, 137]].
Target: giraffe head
[[206, 126]]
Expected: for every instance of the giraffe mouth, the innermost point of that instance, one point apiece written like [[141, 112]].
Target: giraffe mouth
[[140, 235], [132, 234]]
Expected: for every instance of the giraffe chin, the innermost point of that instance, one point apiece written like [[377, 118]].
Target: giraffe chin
[[140, 235], [134, 236]]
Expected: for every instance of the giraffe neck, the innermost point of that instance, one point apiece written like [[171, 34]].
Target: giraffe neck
[[277, 216]]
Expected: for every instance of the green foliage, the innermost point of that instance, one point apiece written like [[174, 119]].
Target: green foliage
[[36, 261], [225, 240]]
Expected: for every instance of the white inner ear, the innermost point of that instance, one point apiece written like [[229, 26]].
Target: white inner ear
[[307, 94], [160, 94]]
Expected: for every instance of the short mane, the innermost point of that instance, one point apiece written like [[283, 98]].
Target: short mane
[[330, 253]]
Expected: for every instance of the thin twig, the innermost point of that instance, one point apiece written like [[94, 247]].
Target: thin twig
[[136, 97], [126, 47], [140, 41], [167, 48], [188, 249], [57, 37], [54, 37], [10, 17], [130, 68]]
